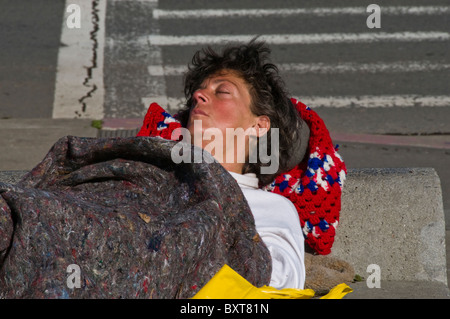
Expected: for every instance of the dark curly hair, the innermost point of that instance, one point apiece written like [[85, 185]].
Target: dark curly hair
[[268, 95]]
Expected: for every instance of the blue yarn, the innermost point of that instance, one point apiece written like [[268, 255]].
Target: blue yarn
[[315, 163], [323, 225], [166, 114], [330, 180], [283, 185], [161, 125], [312, 186], [309, 173], [339, 180]]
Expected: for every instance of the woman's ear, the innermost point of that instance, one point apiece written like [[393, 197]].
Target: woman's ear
[[262, 125]]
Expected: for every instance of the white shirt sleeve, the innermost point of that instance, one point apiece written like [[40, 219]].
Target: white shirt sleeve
[[278, 224]]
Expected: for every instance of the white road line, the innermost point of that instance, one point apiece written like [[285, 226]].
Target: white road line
[[74, 58], [364, 101], [232, 13], [166, 70], [377, 67], [317, 38], [325, 68], [372, 101]]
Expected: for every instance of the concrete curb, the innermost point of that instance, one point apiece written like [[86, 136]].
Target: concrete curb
[[393, 218]]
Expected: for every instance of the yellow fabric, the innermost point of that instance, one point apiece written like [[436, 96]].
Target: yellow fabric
[[228, 284], [338, 292]]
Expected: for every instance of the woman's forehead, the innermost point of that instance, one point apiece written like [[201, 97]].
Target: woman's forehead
[[234, 77]]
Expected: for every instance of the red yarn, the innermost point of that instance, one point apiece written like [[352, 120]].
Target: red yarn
[[158, 122]]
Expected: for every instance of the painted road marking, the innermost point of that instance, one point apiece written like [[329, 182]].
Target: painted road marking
[[260, 13], [79, 77], [325, 68], [317, 38], [373, 101]]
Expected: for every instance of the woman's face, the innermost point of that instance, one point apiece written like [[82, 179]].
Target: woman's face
[[223, 101]]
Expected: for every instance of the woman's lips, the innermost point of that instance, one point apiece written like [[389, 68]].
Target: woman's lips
[[196, 111]]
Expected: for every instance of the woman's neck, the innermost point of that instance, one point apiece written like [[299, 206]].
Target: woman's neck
[[233, 167]]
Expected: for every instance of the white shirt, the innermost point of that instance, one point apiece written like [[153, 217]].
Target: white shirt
[[277, 222]]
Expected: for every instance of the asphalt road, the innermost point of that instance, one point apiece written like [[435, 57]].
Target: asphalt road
[[359, 85], [29, 42], [397, 81]]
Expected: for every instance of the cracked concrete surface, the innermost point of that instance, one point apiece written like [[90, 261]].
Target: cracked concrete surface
[[89, 70]]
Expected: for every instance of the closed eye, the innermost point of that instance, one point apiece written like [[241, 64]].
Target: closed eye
[[224, 87]]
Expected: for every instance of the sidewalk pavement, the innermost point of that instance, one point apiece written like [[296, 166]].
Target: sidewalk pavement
[[25, 142]]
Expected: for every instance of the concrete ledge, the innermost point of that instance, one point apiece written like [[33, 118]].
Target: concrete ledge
[[400, 290], [393, 218]]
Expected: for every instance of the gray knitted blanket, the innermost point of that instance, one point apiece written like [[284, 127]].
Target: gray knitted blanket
[[116, 218]]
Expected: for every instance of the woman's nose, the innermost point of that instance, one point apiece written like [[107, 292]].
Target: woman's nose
[[200, 96]]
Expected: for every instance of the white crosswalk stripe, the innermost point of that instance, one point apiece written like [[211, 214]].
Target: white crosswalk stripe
[[324, 68], [277, 39], [373, 101], [260, 13]]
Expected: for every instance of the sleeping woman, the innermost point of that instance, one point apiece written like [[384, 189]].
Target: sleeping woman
[[239, 90]]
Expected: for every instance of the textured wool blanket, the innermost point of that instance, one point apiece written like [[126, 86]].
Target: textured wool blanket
[[116, 218]]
